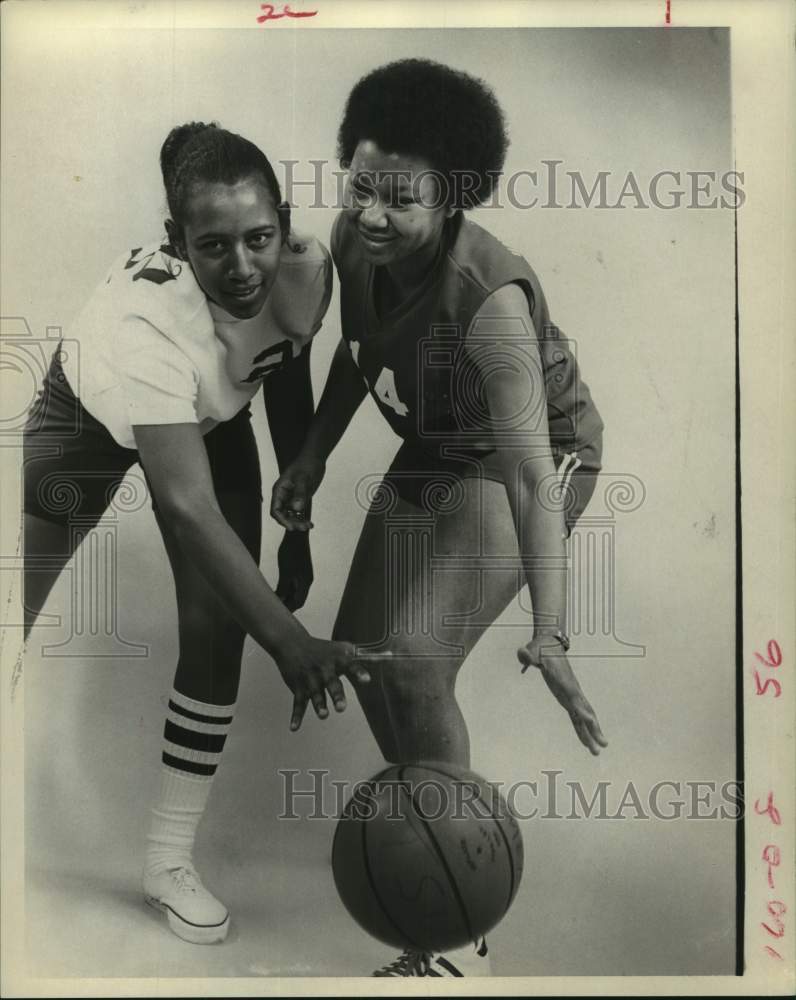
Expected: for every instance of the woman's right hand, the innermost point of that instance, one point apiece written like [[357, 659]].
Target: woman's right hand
[[311, 667], [291, 497]]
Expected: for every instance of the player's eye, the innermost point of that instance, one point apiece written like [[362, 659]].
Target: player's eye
[[212, 247], [259, 241]]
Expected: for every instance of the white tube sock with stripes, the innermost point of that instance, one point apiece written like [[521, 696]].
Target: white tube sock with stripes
[[194, 738]]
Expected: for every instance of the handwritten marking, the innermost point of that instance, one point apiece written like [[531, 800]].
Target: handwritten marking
[[773, 659], [668, 11], [776, 914], [762, 687], [772, 858], [771, 852], [771, 810], [774, 654], [271, 15]]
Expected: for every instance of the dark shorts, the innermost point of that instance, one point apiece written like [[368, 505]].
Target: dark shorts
[[418, 475], [73, 467]]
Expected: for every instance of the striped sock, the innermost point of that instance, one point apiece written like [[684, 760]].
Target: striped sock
[[194, 737]]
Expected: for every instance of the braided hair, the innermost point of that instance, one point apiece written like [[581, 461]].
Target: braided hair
[[198, 153]]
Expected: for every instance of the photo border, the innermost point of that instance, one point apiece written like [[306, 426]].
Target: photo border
[[763, 77]]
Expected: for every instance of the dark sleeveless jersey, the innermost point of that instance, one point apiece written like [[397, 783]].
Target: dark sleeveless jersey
[[414, 359]]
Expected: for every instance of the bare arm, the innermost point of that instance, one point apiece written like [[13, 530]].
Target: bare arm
[[515, 394], [175, 459], [341, 398]]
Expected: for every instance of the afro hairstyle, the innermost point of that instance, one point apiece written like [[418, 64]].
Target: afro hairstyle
[[422, 108]]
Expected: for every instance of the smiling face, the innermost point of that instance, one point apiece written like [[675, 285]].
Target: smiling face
[[232, 240], [395, 202]]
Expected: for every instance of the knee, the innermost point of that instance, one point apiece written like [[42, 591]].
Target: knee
[[413, 683]]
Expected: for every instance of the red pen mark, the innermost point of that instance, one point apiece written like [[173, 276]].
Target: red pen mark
[[668, 11], [774, 654], [762, 686], [770, 810], [771, 853], [270, 14], [772, 857], [773, 659], [777, 909]]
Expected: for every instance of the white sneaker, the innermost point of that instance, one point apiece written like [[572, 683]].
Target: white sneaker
[[468, 962], [193, 913]]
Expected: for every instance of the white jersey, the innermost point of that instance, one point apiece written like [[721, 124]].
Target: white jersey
[[154, 350]]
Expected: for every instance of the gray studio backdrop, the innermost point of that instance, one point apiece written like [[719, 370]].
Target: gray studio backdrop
[[647, 294]]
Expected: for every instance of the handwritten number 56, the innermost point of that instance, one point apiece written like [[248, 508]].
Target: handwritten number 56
[[773, 659]]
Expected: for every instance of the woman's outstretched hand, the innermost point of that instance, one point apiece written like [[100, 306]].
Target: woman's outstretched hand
[[547, 655], [291, 497], [312, 667]]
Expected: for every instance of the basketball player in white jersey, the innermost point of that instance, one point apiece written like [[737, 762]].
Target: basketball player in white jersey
[[174, 344]]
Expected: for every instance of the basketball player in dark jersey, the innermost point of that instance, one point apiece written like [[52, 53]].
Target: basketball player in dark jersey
[[449, 332]]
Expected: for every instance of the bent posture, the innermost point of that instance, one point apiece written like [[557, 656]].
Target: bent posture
[[449, 332], [174, 344]]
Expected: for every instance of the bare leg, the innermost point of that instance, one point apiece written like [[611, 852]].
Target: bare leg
[[48, 547], [410, 703], [211, 641]]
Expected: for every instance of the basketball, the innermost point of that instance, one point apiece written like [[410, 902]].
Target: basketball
[[427, 856]]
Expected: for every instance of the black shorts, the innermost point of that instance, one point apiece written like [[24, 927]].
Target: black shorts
[[418, 474], [73, 466]]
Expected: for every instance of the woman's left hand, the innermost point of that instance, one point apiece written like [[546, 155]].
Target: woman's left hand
[[295, 570], [545, 653]]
